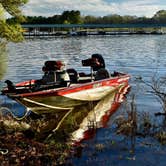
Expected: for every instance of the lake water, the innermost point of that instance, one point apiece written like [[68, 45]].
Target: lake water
[[141, 56]]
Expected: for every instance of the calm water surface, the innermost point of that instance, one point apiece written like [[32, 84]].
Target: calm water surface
[[139, 55]]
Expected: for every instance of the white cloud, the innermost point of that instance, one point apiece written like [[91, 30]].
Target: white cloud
[[140, 8], [94, 7]]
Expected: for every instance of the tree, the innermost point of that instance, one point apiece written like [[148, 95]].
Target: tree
[[160, 16], [89, 20], [71, 17], [9, 32], [13, 31]]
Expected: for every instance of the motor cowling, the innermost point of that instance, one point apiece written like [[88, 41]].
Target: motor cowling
[[53, 66]]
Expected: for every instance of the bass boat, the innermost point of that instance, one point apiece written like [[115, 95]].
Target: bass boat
[[61, 89]]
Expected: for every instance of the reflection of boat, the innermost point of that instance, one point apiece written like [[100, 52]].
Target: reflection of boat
[[38, 97], [99, 115], [82, 121]]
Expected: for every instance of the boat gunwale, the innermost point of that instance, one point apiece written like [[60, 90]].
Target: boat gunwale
[[63, 89]]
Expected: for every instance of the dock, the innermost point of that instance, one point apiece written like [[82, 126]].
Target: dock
[[53, 30]]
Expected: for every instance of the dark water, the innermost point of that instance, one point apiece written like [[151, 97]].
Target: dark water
[[139, 55]]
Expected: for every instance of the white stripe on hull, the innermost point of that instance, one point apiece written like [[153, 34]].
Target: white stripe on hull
[[91, 94]]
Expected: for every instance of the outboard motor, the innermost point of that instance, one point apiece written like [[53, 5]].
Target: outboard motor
[[54, 71], [53, 66]]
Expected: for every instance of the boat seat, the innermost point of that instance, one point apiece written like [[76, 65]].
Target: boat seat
[[73, 75]]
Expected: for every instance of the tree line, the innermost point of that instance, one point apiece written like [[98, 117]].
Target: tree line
[[11, 32], [74, 17]]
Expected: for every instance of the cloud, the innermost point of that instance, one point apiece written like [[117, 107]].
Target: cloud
[[94, 7], [140, 8]]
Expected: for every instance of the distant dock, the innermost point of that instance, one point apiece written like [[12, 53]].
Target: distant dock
[[53, 30]]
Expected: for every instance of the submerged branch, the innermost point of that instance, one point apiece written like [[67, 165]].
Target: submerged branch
[[157, 86]]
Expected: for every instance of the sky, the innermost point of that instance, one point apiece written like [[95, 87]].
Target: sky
[[95, 7]]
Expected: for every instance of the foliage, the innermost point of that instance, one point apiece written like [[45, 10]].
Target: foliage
[[71, 17], [9, 31], [160, 16], [74, 17], [67, 17], [12, 31], [12, 7], [18, 145], [133, 124]]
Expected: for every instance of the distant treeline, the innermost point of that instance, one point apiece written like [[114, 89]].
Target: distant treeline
[[74, 17]]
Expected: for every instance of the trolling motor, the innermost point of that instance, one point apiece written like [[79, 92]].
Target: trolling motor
[[97, 64]]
